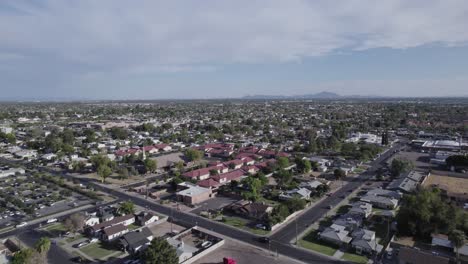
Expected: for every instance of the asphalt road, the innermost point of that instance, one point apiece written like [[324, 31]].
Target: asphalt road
[[302, 222], [29, 235], [280, 241]]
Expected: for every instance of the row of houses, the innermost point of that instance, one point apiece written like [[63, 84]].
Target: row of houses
[[114, 227]]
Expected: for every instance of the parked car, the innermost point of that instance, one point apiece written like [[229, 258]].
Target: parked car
[[206, 244], [52, 220], [21, 224], [82, 244]]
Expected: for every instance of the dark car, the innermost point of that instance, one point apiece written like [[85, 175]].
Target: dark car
[[264, 239]]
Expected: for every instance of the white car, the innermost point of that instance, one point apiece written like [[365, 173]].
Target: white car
[[21, 224], [82, 244], [52, 220], [206, 244], [93, 240]]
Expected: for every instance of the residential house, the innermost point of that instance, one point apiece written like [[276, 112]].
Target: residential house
[[204, 173], [209, 183], [91, 221], [361, 209], [310, 185], [234, 164], [234, 175], [112, 232], [350, 221], [124, 220], [301, 193], [249, 209], [335, 234], [380, 201], [407, 182], [146, 218], [134, 242], [364, 242]]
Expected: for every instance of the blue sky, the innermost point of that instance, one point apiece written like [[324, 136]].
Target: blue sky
[[124, 49]]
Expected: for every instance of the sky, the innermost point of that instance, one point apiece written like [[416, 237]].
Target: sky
[[182, 49]]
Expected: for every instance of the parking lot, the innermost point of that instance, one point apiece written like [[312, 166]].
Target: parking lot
[[26, 197], [243, 253]]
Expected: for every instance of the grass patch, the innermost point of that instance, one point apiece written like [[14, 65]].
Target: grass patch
[[74, 238], [355, 258], [317, 247], [311, 242], [242, 224], [268, 201], [132, 227], [97, 251], [58, 227]]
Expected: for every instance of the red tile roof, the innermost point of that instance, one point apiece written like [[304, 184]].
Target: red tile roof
[[229, 176]]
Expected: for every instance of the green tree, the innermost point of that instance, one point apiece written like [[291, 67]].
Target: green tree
[[400, 166], [42, 248], [123, 173], [193, 154], [151, 165], [126, 208], [283, 177], [457, 237], [74, 222], [24, 256], [43, 245], [104, 171], [339, 174], [10, 138], [160, 251], [283, 162]]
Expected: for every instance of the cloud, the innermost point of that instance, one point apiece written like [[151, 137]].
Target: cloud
[[51, 42], [130, 35]]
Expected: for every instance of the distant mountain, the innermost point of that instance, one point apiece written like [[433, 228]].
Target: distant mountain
[[321, 95]]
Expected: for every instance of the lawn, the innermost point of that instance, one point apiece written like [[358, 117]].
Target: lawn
[[74, 238], [311, 242], [97, 251], [268, 201], [132, 227], [55, 230], [58, 227], [317, 247], [354, 258], [242, 224]]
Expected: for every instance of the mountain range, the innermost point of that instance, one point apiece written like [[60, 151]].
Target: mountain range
[[321, 95]]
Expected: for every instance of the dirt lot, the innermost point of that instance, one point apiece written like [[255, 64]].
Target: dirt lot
[[451, 184], [243, 254]]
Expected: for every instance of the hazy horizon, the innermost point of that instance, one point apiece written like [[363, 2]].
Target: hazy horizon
[[117, 50]]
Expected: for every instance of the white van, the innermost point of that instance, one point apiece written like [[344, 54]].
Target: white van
[[52, 220]]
